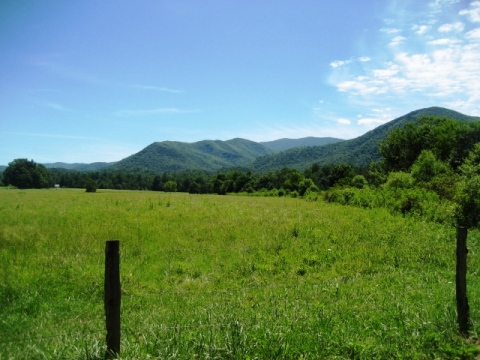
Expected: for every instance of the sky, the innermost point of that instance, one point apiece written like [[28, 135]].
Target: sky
[[84, 81]]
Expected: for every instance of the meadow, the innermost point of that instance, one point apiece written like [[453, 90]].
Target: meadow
[[228, 277]]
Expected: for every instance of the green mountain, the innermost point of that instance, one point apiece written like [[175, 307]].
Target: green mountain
[[360, 151], [79, 166], [285, 144], [209, 155]]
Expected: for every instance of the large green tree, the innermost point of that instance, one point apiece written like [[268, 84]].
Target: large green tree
[[26, 174], [449, 140]]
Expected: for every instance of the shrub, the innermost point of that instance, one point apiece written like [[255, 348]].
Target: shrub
[[399, 180], [359, 181], [91, 186]]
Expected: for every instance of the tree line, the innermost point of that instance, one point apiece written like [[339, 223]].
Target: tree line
[[425, 165], [25, 173]]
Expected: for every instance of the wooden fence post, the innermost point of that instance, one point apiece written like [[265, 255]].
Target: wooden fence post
[[112, 298], [463, 316]]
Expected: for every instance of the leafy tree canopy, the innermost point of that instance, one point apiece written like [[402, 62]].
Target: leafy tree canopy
[[449, 140], [26, 174]]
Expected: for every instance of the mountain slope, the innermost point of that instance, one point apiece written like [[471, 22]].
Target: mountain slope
[[360, 151], [286, 144], [79, 166], [210, 155]]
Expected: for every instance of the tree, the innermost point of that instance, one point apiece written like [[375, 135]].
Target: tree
[[91, 185], [399, 180], [448, 139], [427, 166], [468, 211], [170, 186], [307, 185], [359, 181], [26, 174], [194, 188], [157, 183]]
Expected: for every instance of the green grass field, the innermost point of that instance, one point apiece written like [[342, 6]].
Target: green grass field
[[227, 277]]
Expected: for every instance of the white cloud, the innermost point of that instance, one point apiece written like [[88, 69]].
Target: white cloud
[[438, 4], [420, 29], [386, 73], [147, 112], [390, 30], [445, 28], [343, 121], [158, 88], [473, 14], [397, 40], [444, 41], [375, 118], [443, 71], [473, 34], [364, 59], [338, 63]]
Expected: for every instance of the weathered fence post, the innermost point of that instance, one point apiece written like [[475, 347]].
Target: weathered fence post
[[112, 298], [463, 316]]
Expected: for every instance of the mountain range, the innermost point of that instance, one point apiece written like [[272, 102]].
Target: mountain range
[[215, 155]]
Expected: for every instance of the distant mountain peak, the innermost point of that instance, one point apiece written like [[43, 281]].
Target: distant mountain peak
[[214, 155]]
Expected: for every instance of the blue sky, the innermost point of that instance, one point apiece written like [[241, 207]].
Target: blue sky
[[87, 81]]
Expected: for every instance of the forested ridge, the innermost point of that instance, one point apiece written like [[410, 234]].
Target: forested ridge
[[426, 165], [216, 155]]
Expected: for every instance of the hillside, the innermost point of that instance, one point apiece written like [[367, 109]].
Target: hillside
[[286, 144], [360, 151], [79, 166], [209, 155], [214, 155]]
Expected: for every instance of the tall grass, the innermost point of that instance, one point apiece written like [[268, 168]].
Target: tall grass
[[227, 277]]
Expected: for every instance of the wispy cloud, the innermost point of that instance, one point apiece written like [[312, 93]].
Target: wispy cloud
[[442, 69], [149, 112], [473, 13], [55, 106], [397, 40], [390, 30], [56, 136], [420, 29], [343, 121], [338, 63], [158, 88], [458, 26], [375, 118]]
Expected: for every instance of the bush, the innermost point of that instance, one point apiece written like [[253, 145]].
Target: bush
[[359, 181], [91, 186], [399, 180], [170, 186]]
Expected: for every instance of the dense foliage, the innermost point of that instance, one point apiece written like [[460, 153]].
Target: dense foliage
[[26, 174], [448, 140], [429, 169], [200, 182]]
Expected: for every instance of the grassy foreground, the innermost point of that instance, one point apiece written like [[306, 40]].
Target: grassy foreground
[[224, 277]]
